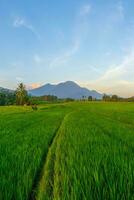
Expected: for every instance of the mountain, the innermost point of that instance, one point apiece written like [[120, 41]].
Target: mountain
[[67, 89], [5, 90]]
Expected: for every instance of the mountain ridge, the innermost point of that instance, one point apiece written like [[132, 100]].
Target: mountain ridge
[[6, 90], [68, 89]]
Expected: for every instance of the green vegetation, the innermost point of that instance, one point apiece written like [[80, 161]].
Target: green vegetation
[[7, 98], [115, 98], [25, 136], [69, 151], [21, 95], [92, 155]]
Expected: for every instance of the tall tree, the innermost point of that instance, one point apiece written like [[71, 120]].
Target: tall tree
[[21, 95], [106, 97], [90, 98], [114, 97], [2, 99]]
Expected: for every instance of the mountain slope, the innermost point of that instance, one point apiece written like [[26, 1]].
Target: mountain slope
[[5, 90], [67, 89]]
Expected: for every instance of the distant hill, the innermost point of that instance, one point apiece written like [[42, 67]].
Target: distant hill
[[67, 89], [5, 90]]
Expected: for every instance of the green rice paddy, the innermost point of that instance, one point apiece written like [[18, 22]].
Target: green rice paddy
[[70, 151]]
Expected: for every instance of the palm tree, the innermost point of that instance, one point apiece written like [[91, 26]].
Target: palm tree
[[21, 94]]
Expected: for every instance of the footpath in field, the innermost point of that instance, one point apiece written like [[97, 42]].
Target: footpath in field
[[91, 157], [46, 184]]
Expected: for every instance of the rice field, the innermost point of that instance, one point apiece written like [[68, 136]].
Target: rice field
[[72, 151]]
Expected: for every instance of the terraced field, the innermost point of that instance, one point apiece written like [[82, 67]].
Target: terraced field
[[71, 151]]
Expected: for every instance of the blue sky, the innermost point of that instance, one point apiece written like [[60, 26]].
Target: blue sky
[[87, 41]]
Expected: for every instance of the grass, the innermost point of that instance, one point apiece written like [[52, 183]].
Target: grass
[[69, 151], [25, 137], [92, 157]]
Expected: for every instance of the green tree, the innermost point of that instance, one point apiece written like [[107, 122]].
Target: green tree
[[2, 99], [106, 97], [21, 95], [114, 97], [90, 98], [10, 98]]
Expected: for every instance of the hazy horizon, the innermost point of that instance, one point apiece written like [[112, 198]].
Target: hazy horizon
[[88, 42]]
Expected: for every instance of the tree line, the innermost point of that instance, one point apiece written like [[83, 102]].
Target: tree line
[[116, 98], [21, 97]]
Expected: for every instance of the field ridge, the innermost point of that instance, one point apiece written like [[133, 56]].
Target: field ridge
[[38, 175], [46, 184]]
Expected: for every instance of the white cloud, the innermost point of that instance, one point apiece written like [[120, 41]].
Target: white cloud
[[118, 14], [117, 79], [80, 32], [33, 86], [108, 53], [18, 22], [124, 70], [85, 10], [37, 59], [120, 9], [115, 16], [60, 34], [20, 79], [22, 22], [65, 56]]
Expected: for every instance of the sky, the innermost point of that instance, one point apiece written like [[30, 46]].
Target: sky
[[90, 42]]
